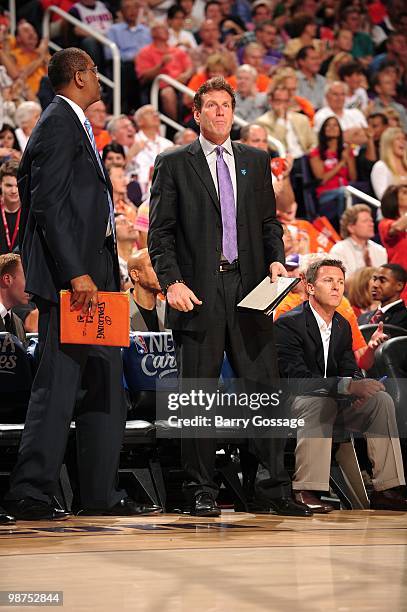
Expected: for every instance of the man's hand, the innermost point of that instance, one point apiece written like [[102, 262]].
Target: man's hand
[[366, 388], [84, 294], [180, 297], [378, 337], [277, 269]]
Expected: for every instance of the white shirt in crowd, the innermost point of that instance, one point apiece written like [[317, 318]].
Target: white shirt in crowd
[[325, 331], [182, 39], [209, 150], [4, 312], [384, 309], [293, 144], [350, 118], [382, 177], [351, 254], [144, 160]]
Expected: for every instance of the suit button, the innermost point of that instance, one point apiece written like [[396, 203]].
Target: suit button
[[100, 252]]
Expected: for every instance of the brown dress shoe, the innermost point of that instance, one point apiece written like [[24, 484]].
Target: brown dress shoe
[[390, 499], [313, 502]]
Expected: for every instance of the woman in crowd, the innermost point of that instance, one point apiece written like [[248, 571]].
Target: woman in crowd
[[359, 291], [391, 169], [9, 147], [340, 59], [393, 226], [333, 163]]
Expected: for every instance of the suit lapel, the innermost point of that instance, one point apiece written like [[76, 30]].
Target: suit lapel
[[58, 100], [200, 165], [242, 176], [315, 336]]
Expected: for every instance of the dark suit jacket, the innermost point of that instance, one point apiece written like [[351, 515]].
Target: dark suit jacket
[[64, 205], [18, 325], [301, 354], [396, 315], [185, 234]]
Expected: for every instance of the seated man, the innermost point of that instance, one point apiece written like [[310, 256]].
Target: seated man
[[12, 294], [387, 287], [357, 248], [147, 304], [351, 120], [314, 346], [161, 58]]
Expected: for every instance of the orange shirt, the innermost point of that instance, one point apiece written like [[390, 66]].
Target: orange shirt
[[263, 82], [345, 309], [23, 59], [150, 56], [102, 138]]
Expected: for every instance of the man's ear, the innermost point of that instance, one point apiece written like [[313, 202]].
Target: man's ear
[[78, 79], [310, 289], [134, 275], [197, 116]]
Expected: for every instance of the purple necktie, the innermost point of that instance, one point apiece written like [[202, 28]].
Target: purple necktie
[[227, 207]]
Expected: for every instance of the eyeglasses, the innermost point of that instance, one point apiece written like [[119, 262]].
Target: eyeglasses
[[94, 69]]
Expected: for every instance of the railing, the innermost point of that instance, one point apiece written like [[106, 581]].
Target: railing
[[116, 83], [352, 191], [154, 94], [12, 13]]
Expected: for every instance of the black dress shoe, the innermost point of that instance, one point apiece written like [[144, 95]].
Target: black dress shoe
[[6, 519], [204, 505], [125, 507], [390, 499], [29, 509], [286, 506]]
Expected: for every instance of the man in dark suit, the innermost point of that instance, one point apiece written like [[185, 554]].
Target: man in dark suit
[[12, 294], [314, 345], [213, 237], [67, 226], [388, 285]]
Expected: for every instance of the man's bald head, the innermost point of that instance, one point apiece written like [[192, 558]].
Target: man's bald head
[[141, 271]]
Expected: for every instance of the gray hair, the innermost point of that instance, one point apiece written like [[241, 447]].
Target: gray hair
[[25, 111], [112, 124], [248, 69], [329, 86]]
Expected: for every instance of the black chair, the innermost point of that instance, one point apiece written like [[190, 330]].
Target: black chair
[[391, 361], [393, 331]]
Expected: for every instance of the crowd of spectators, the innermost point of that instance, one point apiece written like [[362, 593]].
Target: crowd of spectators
[[326, 78]]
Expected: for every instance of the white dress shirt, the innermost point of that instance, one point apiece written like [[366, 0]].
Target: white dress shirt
[[351, 254], [144, 160], [325, 331], [209, 149], [4, 312], [388, 306]]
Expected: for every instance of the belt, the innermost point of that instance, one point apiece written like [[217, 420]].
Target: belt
[[225, 266]]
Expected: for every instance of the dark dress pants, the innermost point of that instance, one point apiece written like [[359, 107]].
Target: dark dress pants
[[66, 372], [251, 352]]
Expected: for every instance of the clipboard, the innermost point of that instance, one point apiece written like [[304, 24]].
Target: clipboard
[[110, 326], [267, 296]]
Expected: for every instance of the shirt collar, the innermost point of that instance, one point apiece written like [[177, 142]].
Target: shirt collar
[[209, 147], [388, 306], [3, 311], [75, 107], [323, 326]]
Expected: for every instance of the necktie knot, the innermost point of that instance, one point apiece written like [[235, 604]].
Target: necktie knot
[[219, 151]]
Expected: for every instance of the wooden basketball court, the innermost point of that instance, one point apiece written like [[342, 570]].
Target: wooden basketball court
[[347, 560]]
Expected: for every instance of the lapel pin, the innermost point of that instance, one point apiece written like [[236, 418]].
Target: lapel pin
[[243, 171]]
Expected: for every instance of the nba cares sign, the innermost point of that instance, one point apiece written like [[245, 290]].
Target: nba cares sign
[[150, 357], [109, 326]]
